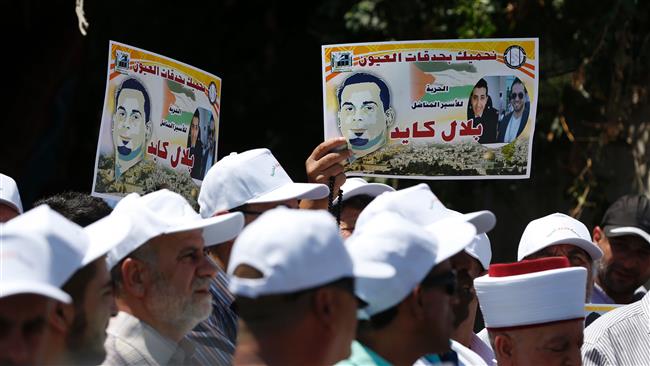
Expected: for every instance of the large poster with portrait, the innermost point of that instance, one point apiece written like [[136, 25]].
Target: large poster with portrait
[[453, 109], [159, 125]]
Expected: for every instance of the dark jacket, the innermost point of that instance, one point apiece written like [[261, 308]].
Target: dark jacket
[[503, 124]]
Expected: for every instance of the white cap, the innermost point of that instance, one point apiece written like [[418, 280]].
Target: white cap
[[357, 186], [481, 250], [9, 194], [254, 176], [418, 204], [135, 220], [295, 250], [531, 292], [40, 251], [411, 249], [555, 229]]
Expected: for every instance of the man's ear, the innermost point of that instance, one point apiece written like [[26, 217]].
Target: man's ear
[[597, 234], [62, 317], [135, 277], [148, 133], [390, 117], [325, 307], [414, 303], [503, 349]]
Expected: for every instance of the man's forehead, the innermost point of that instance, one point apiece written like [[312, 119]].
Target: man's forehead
[[479, 91], [130, 93], [371, 88], [631, 240], [172, 243], [564, 249], [518, 86]]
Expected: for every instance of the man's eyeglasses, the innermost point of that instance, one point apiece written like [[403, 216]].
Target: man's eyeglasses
[[515, 95], [448, 281]]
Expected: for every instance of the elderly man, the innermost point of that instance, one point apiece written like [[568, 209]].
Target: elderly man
[[10, 204], [251, 182], [624, 237], [410, 314], [295, 308], [559, 235], [161, 275], [40, 251], [534, 311]]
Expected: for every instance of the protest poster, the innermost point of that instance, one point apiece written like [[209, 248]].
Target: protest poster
[[159, 125], [449, 109]]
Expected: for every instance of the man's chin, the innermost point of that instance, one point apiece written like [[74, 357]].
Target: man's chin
[[123, 150]]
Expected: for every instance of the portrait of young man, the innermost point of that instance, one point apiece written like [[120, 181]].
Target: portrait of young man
[[131, 125], [365, 113]]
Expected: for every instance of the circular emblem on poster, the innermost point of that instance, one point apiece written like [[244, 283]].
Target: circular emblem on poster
[[212, 92], [515, 57]]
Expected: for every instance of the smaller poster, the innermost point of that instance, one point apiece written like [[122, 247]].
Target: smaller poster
[[159, 126]]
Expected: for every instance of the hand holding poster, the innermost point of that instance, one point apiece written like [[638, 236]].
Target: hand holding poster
[[433, 109], [159, 125]]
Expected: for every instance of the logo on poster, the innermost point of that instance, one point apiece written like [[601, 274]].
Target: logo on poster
[[122, 60], [212, 92], [341, 61], [515, 57]]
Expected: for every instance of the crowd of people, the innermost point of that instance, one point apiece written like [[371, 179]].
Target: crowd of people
[[264, 274]]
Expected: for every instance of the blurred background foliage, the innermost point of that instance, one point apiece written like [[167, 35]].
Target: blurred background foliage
[[592, 135]]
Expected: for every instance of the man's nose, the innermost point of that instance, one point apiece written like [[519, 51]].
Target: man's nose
[[207, 268]]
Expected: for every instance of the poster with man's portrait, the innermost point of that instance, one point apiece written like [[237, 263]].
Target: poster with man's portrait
[[159, 125], [453, 109]]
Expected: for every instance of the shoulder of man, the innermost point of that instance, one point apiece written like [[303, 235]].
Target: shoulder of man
[[122, 353]]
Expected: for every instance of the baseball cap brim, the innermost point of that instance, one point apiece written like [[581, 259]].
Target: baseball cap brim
[[309, 191], [592, 249], [216, 229], [614, 231], [370, 189], [11, 204], [484, 221], [453, 234], [105, 235], [38, 288]]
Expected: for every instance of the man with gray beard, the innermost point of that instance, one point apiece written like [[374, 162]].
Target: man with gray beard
[[161, 275]]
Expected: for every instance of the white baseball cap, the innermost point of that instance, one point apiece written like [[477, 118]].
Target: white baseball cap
[[9, 194], [137, 219], [357, 186], [295, 250], [418, 204], [481, 250], [40, 251], [254, 176], [531, 292], [411, 249], [555, 229]]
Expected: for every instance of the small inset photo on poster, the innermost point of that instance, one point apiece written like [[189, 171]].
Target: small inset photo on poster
[[500, 104]]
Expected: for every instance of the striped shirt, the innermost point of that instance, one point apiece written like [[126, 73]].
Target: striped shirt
[[215, 338], [620, 337]]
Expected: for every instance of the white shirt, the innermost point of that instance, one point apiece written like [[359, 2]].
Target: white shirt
[[620, 337], [513, 127], [130, 341], [466, 357], [483, 350]]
